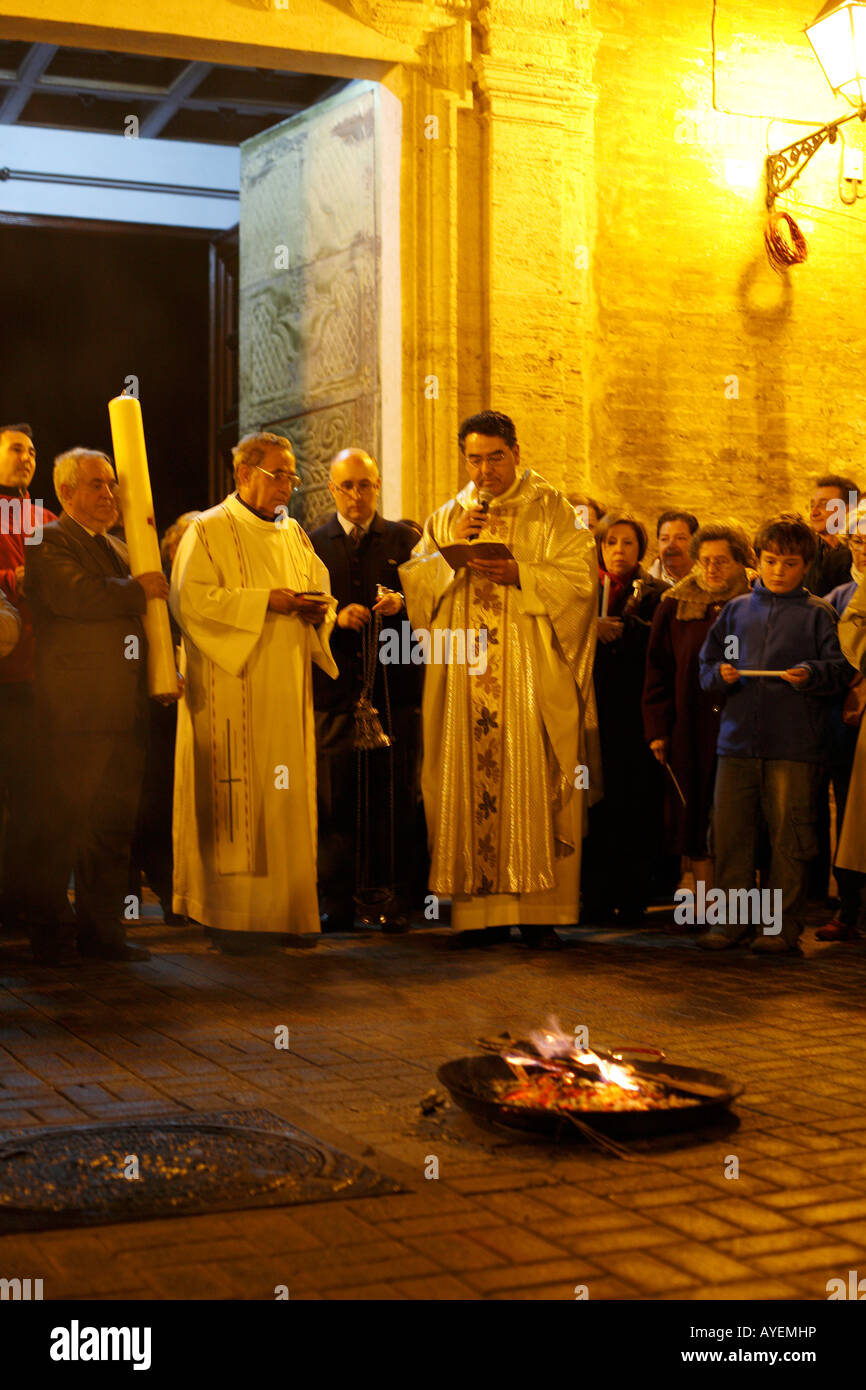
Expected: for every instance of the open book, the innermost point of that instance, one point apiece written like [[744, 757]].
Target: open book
[[459, 553]]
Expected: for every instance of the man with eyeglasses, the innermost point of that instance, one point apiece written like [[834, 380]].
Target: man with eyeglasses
[[253, 602], [363, 553], [511, 752], [91, 693], [833, 496]]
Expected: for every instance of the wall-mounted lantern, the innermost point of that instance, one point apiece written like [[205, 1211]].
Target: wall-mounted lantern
[[838, 38]]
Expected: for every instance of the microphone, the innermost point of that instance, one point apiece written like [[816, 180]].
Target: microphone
[[484, 499]]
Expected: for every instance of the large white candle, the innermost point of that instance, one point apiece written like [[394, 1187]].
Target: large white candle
[[136, 504], [605, 595]]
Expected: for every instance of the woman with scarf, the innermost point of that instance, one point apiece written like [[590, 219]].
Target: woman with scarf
[[622, 848], [681, 721]]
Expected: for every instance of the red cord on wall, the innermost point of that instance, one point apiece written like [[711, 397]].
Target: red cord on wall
[[785, 243]]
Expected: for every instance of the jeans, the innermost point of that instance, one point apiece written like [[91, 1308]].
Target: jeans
[[784, 794]]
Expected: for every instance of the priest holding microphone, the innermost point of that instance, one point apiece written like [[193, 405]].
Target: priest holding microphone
[[510, 751]]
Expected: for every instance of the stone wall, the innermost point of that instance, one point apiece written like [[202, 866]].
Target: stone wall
[[535, 99], [716, 382]]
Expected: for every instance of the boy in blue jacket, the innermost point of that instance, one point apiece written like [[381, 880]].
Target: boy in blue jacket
[[775, 734]]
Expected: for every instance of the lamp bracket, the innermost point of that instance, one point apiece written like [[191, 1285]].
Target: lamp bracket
[[786, 165]]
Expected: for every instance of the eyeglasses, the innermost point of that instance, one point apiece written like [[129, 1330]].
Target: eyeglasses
[[720, 561], [476, 460], [363, 489], [281, 476]]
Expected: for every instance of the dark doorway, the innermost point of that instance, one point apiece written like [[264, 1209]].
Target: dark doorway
[[85, 306]]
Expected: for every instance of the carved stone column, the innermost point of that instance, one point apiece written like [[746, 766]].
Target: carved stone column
[[534, 73], [433, 93], [496, 228]]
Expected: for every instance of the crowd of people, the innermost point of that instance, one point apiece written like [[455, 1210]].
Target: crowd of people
[[501, 714]]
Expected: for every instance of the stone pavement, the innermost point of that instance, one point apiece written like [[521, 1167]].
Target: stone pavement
[[370, 1020]]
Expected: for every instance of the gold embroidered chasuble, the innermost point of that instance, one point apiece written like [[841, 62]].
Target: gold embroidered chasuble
[[244, 826], [503, 747]]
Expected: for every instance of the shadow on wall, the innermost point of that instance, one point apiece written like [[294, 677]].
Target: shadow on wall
[[766, 300]]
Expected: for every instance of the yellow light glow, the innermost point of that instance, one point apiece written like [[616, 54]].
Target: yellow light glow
[[742, 173], [838, 39]]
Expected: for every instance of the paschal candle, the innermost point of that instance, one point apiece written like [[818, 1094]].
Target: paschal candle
[[136, 504]]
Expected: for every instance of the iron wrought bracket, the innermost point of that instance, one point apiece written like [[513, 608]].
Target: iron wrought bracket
[[784, 166]]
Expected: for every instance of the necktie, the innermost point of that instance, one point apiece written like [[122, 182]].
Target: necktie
[[356, 536], [105, 545]]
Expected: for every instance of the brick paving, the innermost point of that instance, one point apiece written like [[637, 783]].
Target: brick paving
[[370, 1019]]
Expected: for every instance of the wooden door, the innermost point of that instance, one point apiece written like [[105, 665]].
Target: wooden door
[[224, 356]]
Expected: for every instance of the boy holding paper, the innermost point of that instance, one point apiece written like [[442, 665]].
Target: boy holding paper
[[775, 735]]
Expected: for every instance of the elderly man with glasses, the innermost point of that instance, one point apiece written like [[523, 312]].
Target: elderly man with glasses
[[91, 710], [367, 843], [253, 602]]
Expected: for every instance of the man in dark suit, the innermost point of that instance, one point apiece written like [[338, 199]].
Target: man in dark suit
[[91, 696], [363, 553], [833, 497]]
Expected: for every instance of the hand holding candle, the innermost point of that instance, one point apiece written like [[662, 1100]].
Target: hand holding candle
[[609, 629], [136, 503]]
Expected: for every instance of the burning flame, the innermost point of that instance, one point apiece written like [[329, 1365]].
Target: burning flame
[[557, 1049]]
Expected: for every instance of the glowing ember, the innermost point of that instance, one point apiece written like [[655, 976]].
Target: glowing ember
[[556, 1074], [568, 1092]]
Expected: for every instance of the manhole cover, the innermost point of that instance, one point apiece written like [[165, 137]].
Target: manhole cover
[[172, 1165]]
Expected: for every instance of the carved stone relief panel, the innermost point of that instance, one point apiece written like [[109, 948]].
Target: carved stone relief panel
[[309, 284], [317, 436]]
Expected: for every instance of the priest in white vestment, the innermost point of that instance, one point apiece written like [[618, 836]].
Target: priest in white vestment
[[511, 744], [244, 826]]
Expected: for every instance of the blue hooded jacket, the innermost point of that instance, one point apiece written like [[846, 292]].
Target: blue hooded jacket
[[763, 716], [841, 596]]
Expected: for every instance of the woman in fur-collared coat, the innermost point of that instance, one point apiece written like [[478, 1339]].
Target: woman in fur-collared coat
[[681, 721]]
